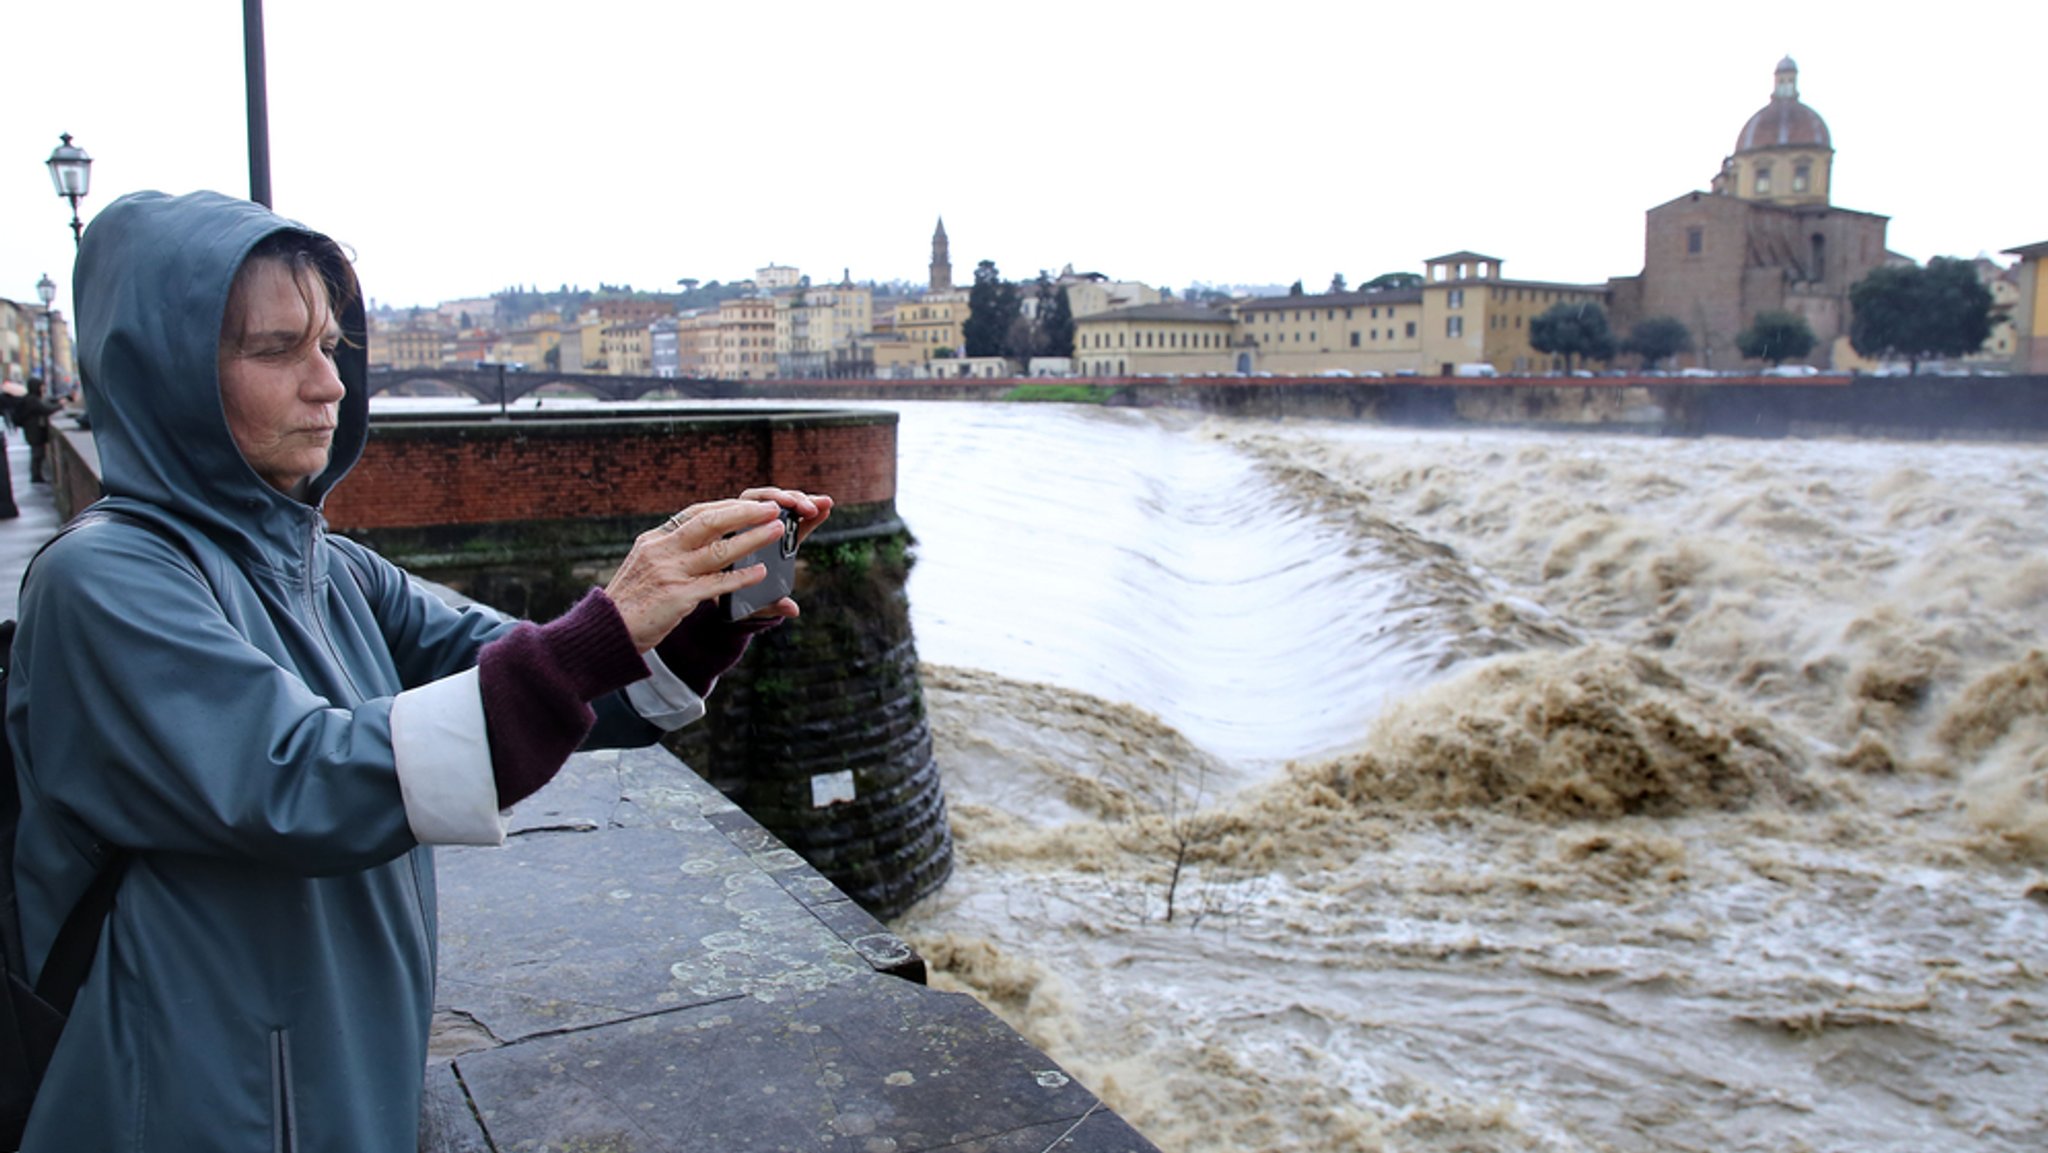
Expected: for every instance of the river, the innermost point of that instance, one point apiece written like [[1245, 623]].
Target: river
[[1507, 790]]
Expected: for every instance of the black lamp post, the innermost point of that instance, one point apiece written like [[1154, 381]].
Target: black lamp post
[[47, 290], [71, 172]]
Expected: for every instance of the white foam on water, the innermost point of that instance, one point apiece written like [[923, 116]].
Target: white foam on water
[[1696, 801]]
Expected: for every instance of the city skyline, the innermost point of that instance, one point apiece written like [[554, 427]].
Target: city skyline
[[1138, 140]]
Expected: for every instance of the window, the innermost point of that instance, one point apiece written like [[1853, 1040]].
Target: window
[[1802, 176], [1411, 328], [1763, 180], [1354, 340], [1819, 244], [1454, 326], [1347, 314], [1457, 298], [1695, 240], [1375, 312]]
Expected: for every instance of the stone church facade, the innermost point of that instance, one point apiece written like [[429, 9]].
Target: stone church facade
[[1764, 237]]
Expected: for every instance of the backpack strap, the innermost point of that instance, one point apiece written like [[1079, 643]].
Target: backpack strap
[[70, 958]]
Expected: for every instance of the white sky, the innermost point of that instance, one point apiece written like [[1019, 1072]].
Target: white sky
[[460, 147]]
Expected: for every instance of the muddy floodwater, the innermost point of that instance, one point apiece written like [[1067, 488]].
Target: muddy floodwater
[[1335, 787]]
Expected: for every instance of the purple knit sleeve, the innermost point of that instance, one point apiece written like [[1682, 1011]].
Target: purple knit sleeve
[[706, 644], [537, 683]]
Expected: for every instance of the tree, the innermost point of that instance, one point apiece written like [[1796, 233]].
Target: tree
[[1776, 336], [1337, 283], [1055, 319], [1295, 289], [1920, 313], [1387, 281], [1573, 330], [992, 307], [1658, 338]]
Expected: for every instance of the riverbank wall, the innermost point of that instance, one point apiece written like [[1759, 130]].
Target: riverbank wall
[[1979, 407]]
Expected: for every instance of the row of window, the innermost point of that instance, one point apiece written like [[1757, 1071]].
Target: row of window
[[1278, 315], [1149, 339]]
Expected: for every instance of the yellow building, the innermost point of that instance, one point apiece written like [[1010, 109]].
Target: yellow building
[[1473, 315], [623, 346], [2030, 309], [1167, 339], [527, 346], [815, 329], [407, 346], [746, 338], [1355, 332], [1090, 293], [932, 322]]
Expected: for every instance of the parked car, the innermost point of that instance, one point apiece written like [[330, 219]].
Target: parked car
[[1477, 368], [1791, 370], [1696, 372]]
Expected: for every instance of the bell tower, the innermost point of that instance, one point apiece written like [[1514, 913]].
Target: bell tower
[[942, 264]]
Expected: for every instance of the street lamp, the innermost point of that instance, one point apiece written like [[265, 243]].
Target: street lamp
[[47, 290], [71, 172]]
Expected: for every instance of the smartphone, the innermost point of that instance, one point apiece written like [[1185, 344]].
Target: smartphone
[[780, 557]]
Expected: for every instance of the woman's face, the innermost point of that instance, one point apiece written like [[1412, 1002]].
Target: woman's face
[[277, 377]]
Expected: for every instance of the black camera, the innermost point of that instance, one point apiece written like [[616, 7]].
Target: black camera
[[780, 558]]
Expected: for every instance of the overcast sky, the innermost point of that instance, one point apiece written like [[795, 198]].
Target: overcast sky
[[460, 147]]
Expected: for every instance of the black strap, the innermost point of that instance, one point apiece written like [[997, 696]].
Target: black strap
[[70, 957]]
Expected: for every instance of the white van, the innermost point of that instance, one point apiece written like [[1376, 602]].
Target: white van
[[1478, 368]]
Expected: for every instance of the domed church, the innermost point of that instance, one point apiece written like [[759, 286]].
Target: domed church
[[1763, 237]]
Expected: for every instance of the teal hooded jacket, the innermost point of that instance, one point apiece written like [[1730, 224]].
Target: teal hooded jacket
[[272, 721]]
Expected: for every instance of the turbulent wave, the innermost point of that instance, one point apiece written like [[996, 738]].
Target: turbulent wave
[[1700, 799]]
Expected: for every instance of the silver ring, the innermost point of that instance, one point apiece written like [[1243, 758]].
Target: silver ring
[[674, 522]]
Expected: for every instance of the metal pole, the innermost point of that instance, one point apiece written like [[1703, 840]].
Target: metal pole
[[259, 105], [77, 228]]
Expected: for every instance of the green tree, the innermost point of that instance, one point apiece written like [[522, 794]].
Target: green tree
[[1055, 319], [1776, 336], [1658, 338], [1295, 289], [992, 307], [1387, 281], [1337, 283], [1573, 329], [1920, 313]]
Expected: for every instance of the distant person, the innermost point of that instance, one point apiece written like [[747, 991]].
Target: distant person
[[9, 400], [31, 414], [273, 723]]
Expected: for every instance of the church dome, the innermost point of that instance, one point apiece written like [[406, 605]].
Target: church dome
[[1784, 122]]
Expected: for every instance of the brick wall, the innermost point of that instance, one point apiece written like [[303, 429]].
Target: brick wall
[[416, 474]]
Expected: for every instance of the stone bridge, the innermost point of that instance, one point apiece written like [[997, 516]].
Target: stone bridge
[[497, 385]]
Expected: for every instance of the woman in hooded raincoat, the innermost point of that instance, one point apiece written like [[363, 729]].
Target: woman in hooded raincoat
[[272, 722]]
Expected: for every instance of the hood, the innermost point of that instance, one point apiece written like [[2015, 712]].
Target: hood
[[152, 287]]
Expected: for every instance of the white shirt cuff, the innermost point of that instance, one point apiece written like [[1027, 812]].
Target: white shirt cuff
[[663, 700], [443, 756]]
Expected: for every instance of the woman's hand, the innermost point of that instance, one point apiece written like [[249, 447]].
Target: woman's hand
[[681, 564]]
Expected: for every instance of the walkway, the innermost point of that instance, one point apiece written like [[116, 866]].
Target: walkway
[[22, 536]]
